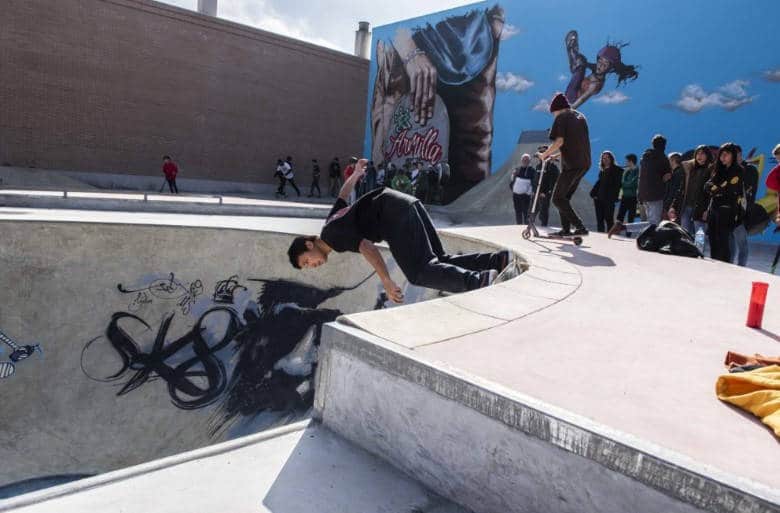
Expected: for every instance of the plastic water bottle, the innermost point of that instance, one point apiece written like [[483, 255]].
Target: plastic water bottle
[[699, 240]]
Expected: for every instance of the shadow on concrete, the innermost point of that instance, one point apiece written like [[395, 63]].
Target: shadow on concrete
[[325, 473], [575, 255], [774, 336]]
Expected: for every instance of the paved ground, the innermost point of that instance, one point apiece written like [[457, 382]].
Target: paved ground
[[300, 470]]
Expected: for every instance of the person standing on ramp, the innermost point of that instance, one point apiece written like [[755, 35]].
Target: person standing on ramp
[[402, 221], [569, 134]]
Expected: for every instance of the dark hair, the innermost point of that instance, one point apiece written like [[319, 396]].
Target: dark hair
[[675, 156], [314, 160], [728, 147], [298, 247], [707, 152], [289, 157], [631, 157], [352, 160], [611, 159], [166, 157], [659, 142], [738, 148]]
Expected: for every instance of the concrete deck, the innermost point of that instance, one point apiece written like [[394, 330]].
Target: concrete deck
[[628, 342], [297, 469]]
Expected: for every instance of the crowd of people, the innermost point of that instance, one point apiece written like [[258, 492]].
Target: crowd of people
[[713, 193], [417, 178]]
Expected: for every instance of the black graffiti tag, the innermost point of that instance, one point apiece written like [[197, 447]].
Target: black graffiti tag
[[169, 289], [185, 381]]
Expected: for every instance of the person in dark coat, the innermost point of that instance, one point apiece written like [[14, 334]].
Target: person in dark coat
[[674, 200], [606, 191]]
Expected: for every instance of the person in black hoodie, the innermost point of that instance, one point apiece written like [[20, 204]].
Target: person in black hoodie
[[654, 172], [694, 215], [606, 191], [724, 189]]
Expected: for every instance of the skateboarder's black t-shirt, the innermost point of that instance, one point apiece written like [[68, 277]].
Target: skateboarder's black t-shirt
[[373, 216], [573, 127]]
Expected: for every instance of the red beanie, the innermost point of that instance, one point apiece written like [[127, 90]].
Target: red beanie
[[559, 103]]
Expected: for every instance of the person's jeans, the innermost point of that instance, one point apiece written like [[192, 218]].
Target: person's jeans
[[418, 251], [738, 244], [686, 221], [565, 187], [315, 184], [654, 211], [522, 205], [627, 210], [172, 185]]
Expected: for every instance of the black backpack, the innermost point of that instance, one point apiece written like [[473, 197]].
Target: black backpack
[[669, 238]]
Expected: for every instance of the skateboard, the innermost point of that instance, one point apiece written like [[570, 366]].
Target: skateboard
[[531, 230]]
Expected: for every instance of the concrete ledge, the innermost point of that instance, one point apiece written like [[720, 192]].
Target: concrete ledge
[[112, 202], [493, 449]]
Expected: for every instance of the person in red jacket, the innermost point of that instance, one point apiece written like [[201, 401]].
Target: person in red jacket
[[170, 169], [773, 182]]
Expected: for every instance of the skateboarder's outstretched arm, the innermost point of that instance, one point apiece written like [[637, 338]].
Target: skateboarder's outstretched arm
[[554, 147], [349, 185], [374, 257]]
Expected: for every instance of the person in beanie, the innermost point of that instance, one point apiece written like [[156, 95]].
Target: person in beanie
[[570, 135], [402, 221]]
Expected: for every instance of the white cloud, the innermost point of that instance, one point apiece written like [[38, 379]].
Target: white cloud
[[541, 106], [510, 31], [730, 97], [506, 81], [331, 24], [563, 78], [612, 98], [773, 75]]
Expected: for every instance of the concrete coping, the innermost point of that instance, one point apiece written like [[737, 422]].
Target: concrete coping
[[541, 285]]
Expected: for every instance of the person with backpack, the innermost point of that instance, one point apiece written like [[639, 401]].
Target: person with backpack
[[279, 175]]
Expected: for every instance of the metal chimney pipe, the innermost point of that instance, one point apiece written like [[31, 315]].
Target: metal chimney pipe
[[208, 7], [363, 40]]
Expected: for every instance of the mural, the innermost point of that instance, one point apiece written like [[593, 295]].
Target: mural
[[440, 89], [432, 97], [244, 354]]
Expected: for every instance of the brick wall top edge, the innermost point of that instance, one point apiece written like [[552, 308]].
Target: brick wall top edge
[[238, 29]]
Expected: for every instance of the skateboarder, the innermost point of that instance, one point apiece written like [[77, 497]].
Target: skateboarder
[[401, 220], [569, 133]]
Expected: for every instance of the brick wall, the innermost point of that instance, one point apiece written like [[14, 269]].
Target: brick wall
[[112, 85]]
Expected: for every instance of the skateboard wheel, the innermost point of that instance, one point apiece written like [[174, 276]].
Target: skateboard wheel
[[526, 234], [577, 241]]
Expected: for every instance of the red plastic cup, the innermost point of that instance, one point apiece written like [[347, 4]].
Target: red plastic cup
[[757, 302]]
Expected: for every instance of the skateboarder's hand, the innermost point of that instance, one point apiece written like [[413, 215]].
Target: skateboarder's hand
[[393, 291], [672, 215]]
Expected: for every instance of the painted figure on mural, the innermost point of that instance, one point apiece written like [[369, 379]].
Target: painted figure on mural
[[609, 60], [434, 94]]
